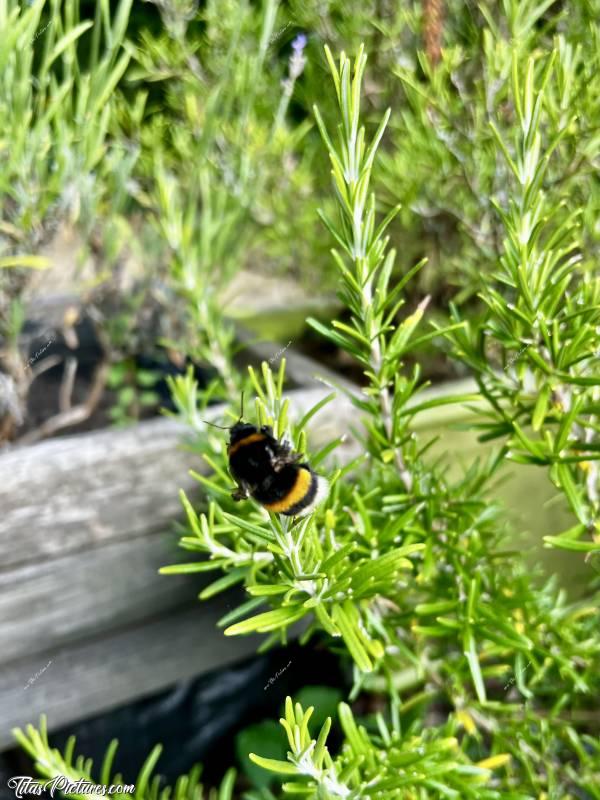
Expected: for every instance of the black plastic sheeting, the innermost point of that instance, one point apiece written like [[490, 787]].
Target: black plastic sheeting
[[196, 720]]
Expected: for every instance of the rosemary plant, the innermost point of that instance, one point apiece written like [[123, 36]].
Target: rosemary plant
[[486, 673], [537, 354], [457, 625], [61, 768], [59, 162], [210, 156], [445, 165]]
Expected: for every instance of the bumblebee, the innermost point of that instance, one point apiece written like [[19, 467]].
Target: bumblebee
[[267, 469], [270, 472]]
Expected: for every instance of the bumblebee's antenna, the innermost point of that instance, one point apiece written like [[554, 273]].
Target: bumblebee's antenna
[[227, 427], [214, 425]]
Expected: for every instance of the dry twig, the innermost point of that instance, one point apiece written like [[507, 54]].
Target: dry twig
[[75, 415], [433, 29]]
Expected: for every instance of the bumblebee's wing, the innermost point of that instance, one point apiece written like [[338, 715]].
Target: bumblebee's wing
[[282, 454]]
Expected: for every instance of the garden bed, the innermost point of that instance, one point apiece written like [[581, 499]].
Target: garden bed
[[86, 526]]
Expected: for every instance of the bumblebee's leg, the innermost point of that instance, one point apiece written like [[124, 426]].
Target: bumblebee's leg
[[241, 493]]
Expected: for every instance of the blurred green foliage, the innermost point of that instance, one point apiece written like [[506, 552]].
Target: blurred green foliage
[[182, 133], [201, 100], [134, 390], [59, 162], [67, 768]]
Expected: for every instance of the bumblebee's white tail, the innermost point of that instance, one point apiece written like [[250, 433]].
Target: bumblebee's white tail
[[322, 493]]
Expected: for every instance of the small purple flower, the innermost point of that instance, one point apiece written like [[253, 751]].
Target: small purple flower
[[299, 43], [298, 59]]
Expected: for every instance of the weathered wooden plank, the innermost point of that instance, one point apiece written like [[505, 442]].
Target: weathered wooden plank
[[70, 683], [50, 603], [79, 491]]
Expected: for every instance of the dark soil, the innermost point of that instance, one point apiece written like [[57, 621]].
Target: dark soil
[[43, 396]]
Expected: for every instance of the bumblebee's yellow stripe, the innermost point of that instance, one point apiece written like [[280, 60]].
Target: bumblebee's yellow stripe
[[253, 437], [296, 493]]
